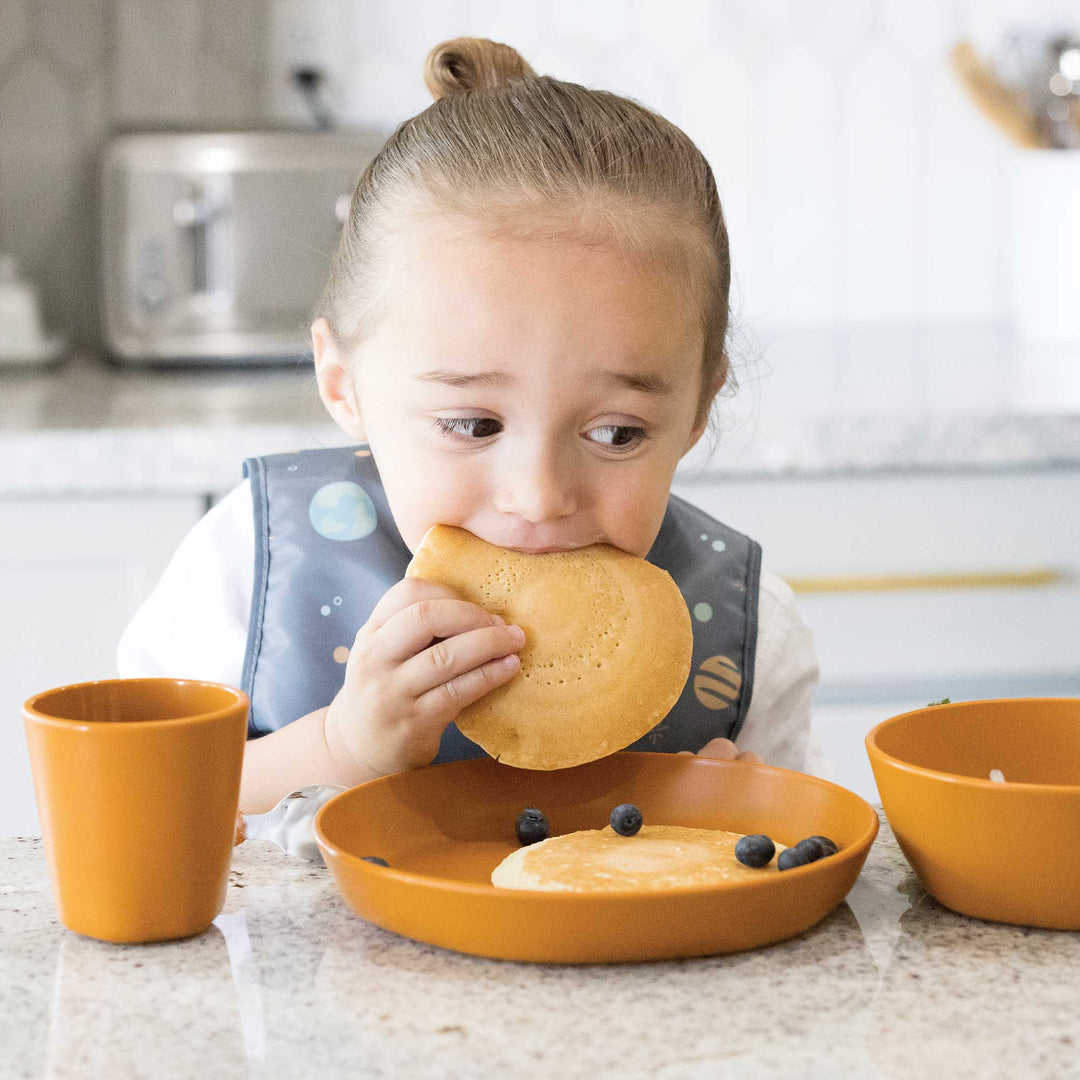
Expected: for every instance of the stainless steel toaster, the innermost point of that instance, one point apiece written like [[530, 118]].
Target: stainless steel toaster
[[215, 246]]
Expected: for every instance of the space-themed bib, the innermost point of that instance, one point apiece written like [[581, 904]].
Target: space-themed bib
[[327, 549]]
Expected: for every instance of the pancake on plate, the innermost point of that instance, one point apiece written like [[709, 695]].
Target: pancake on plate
[[600, 860], [607, 650]]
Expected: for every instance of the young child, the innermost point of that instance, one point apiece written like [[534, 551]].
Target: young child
[[524, 330]]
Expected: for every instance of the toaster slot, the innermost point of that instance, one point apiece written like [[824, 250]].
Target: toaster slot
[[205, 215]]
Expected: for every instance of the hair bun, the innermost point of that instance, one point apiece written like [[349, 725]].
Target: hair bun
[[471, 64]]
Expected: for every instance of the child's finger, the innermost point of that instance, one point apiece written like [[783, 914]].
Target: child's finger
[[749, 755], [452, 657], [722, 749], [411, 630], [453, 696], [404, 593]]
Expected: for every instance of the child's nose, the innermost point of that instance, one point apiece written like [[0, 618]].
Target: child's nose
[[537, 488]]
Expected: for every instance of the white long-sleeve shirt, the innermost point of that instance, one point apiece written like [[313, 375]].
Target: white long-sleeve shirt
[[195, 623]]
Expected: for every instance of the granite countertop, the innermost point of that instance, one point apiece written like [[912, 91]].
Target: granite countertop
[[290, 983], [837, 401]]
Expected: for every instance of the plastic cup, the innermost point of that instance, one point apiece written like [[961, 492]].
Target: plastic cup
[[138, 785]]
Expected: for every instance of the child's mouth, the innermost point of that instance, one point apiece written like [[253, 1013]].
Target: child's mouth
[[526, 547], [544, 550]]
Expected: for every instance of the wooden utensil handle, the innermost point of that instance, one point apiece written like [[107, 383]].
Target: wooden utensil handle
[[995, 99]]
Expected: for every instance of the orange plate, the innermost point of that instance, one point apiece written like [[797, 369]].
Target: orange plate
[[444, 828], [1005, 852]]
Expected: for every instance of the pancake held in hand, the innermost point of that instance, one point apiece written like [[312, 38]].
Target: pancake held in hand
[[600, 860], [607, 646]]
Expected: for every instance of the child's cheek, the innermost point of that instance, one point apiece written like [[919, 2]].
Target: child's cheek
[[632, 519], [429, 498]]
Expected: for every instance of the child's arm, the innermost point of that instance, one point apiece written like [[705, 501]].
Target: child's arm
[[422, 656], [291, 758], [400, 689]]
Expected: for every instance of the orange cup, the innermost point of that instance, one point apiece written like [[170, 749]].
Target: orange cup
[[138, 785]]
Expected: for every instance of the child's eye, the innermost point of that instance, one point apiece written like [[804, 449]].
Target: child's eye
[[618, 436], [470, 427]]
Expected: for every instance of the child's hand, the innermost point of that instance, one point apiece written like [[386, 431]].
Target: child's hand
[[403, 685], [725, 750]]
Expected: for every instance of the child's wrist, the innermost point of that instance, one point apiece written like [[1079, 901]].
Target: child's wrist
[[344, 760]]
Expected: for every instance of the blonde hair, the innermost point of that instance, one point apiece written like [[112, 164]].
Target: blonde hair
[[525, 155]]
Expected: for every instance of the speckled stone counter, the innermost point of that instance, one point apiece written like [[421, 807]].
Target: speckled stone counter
[[290, 983]]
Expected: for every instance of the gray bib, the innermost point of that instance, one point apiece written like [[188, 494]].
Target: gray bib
[[326, 549]]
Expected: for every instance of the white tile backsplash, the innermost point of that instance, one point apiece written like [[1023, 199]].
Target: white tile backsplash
[[860, 184]]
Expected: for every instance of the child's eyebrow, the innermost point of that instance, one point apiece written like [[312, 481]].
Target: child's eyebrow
[[646, 383]]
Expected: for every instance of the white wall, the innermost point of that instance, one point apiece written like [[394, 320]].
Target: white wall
[[859, 182]]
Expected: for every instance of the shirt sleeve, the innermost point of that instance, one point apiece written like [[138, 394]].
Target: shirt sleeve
[[194, 624], [777, 724]]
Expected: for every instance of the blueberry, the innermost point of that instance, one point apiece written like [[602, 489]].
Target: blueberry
[[791, 857], [531, 826], [828, 847], [755, 850], [812, 848], [626, 819], [374, 859]]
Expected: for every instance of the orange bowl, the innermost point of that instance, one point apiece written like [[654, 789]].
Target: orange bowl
[[444, 828], [1000, 851]]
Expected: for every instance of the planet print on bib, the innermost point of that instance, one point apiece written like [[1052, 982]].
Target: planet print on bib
[[719, 686], [342, 511]]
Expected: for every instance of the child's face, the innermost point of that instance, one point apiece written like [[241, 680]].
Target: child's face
[[538, 394]]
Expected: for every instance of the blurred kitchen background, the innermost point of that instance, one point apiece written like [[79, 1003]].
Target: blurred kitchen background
[[904, 215]]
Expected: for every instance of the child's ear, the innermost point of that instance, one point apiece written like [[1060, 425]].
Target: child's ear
[[336, 386]]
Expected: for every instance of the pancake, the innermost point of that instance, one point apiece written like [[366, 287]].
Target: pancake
[[607, 650], [600, 860]]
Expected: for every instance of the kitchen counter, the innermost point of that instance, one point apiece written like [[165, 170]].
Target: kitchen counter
[[290, 983], [809, 403]]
